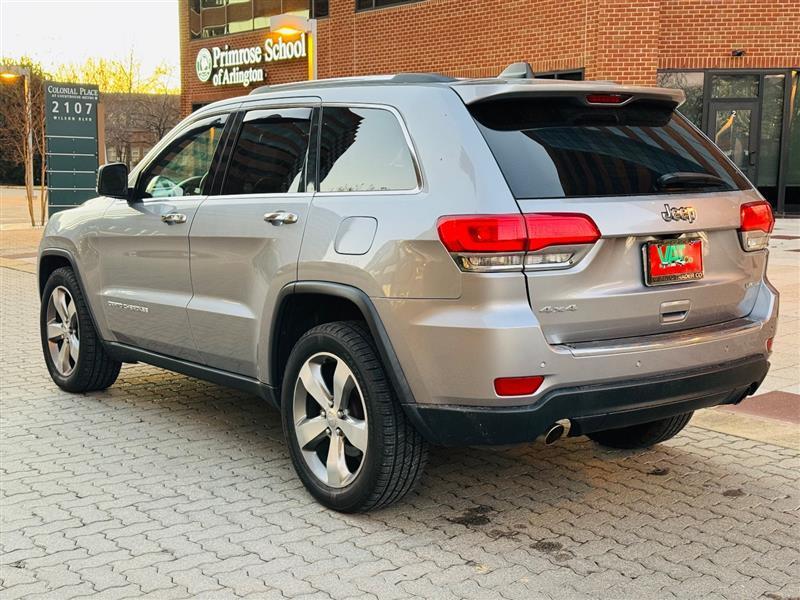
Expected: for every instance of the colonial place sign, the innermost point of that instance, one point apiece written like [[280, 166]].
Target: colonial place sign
[[71, 136], [243, 66]]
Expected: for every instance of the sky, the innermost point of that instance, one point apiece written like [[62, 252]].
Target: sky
[[69, 31]]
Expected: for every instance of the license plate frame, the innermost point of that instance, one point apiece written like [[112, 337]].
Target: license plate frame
[[665, 266]]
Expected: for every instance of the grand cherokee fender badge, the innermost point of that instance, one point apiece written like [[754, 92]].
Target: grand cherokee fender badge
[[129, 307], [680, 213]]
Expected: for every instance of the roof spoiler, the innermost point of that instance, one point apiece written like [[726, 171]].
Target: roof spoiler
[[475, 91], [517, 70]]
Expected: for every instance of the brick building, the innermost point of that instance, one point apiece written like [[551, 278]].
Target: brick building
[[738, 60]]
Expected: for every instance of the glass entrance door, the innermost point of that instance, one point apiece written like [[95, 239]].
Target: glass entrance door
[[732, 127]]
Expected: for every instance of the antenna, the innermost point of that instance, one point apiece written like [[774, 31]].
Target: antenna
[[517, 70]]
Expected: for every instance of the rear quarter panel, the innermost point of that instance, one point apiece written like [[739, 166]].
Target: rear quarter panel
[[459, 176]]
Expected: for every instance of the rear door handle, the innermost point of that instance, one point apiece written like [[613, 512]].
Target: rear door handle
[[173, 218], [280, 217]]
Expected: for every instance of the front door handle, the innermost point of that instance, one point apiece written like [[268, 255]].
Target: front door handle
[[280, 217], [173, 218]]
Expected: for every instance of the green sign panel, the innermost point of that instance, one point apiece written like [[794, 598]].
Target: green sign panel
[[71, 133]]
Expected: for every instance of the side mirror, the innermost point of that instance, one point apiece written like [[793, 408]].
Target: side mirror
[[112, 181]]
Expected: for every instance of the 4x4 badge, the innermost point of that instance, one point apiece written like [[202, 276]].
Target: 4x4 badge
[[681, 213]]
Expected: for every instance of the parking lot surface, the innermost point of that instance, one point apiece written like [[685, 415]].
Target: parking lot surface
[[168, 487]]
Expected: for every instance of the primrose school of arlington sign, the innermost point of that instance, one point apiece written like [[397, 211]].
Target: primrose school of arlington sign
[[243, 66]]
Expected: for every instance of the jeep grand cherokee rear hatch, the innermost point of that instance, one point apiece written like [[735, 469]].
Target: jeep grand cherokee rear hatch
[[669, 253]]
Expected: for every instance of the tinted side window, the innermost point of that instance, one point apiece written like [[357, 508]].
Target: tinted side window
[[270, 154], [363, 149], [182, 169]]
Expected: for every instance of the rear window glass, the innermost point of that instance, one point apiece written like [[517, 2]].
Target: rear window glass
[[560, 148], [363, 149], [270, 154]]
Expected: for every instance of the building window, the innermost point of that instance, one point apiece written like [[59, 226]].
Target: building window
[[576, 75], [792, 203], [734, 85], [212, 18], [370, 4], [319, 8], [691, 82], [769, 143]]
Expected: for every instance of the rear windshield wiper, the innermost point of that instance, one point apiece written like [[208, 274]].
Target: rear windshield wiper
[[688, 179]]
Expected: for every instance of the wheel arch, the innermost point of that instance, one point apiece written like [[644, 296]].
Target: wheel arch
[[51, 259], [305, 304]]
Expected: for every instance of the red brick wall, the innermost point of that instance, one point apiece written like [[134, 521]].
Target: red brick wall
[[702, 33], [622, 40]]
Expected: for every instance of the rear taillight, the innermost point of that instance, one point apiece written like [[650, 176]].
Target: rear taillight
[[489, 243], [485, 242], [756, 225]]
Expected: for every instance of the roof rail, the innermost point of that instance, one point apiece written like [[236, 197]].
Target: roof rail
[[517, 70], [399, 78]]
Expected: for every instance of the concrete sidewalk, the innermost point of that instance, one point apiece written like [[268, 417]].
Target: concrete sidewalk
[[14, 207]]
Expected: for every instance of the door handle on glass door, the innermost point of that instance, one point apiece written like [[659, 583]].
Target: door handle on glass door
[[280, 217], [173, 218]]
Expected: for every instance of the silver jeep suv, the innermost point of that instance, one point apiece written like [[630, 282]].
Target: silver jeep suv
[[409, 260]]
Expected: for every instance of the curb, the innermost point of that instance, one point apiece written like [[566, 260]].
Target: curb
[[17, 265], [758, 429]]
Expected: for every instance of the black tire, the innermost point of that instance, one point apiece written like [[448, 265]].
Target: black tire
[[644, 435], [94, 368], [396, 454]]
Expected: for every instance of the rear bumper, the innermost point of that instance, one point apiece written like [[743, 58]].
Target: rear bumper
[[451, 351], [592, 407]]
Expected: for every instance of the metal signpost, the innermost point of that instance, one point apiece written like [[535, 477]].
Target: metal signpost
[[71, 134]]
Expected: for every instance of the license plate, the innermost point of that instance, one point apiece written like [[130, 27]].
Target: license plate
[[673, 261]]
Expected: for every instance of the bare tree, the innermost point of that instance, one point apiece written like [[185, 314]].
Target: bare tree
[[15, 126], [39, 116], [157, 114], [138, 120], [119, 122]]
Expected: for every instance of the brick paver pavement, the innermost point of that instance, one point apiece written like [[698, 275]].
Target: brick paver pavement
[[168, 487]]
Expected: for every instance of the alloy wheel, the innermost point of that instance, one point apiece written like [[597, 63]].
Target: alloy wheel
[[63, 335], [330, 419]]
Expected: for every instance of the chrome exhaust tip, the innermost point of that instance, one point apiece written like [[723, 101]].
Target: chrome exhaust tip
[[556, 431]]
